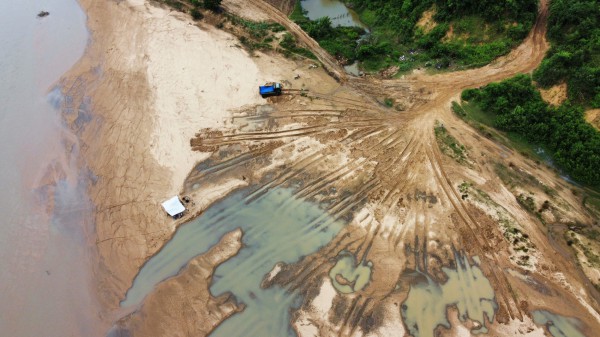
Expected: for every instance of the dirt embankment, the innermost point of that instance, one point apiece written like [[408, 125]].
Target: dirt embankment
[[284, 6]]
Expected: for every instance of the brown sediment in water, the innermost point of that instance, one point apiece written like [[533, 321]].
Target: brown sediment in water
[[195, 312]]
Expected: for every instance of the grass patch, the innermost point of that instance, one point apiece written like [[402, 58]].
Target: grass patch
[[290, 47], [474, 112], [449, 145], [484, 123], [592, 203], [512, 177], [264, 36], [298, 14]]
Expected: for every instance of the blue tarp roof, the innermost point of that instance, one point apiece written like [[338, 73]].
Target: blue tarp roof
[[267, 89]]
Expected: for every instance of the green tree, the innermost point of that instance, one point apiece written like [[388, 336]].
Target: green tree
[[196, 14], [319, 28], [213, 5], [518, 107]]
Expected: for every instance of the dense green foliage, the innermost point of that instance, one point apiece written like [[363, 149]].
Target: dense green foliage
[[338, 41], [481, 31], [574, 30], [518, 107]]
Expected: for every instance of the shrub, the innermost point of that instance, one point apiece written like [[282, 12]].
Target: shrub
[[213, 5], [196, 14]]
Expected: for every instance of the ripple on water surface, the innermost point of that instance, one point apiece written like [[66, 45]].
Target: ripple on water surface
[[278, 227]]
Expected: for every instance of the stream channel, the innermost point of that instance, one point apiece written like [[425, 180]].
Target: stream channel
[[277, 226]]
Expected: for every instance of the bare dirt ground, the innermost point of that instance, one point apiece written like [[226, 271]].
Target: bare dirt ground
[[411, 205], [426, 22], [555, 95], [386, 165], [593, 117]]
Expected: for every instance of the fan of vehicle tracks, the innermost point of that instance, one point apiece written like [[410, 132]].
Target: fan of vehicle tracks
[[377, 167]]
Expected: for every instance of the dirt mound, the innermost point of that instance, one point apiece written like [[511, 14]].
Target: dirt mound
[[426, 22], [555, 95], [593, 117]]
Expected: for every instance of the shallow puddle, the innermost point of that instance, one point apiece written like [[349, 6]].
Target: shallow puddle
[[353, 69], [278, 227], [557, 325], [348, 276], [466, 288]]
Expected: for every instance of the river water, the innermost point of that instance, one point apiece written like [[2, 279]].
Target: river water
[[45, 279]]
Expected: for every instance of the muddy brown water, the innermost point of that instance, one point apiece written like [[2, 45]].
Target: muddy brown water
[[45, 279]]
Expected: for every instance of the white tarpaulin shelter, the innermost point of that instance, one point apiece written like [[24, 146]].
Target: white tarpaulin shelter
[[173, 206]]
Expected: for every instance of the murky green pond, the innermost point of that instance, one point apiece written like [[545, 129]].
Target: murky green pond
[[466, 288], [278, 227]]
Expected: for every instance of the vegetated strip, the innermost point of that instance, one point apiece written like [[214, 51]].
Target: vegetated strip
[[515, 105], [465, 33], [574, 57]]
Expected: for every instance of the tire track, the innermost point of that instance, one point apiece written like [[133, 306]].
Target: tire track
[[471, 225]]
